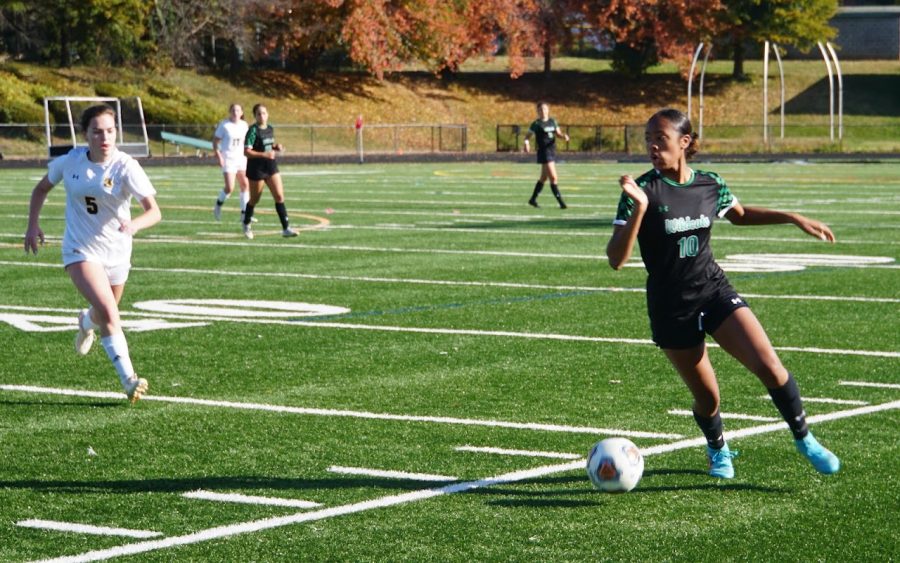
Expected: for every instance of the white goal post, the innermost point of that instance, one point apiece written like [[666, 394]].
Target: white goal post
[[61, 124]]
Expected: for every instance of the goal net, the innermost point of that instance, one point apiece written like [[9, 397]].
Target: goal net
[[62, 116]]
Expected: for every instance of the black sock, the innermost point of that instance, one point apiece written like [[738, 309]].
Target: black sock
[[555, 189], [248, 214], [219, 203], [712, 429], [282, 214], [537, 190], [788, 402]]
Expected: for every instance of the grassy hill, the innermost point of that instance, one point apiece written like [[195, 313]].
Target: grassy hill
[[482, 95]]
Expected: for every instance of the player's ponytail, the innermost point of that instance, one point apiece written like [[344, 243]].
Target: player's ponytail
[[682, 124]]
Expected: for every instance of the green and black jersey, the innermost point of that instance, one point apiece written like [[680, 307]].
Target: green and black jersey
[[674, 239], [260, 140], [544, 133]]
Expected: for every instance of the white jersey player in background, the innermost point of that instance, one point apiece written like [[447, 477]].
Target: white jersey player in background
[[99, 181], [228, 144]]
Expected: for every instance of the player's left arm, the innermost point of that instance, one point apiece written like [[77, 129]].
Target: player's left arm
[[151, 216], [740, 215], [560, 133]]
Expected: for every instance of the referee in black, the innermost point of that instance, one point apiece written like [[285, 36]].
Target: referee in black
[[545, 130], [669, 211]]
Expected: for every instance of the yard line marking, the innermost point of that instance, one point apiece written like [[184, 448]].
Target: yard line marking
[[525, 453], [495, 333], [343, 413], [870, 384], [389, 474], [825, 400], [86, 529], [728, 416], [424, 494], [201, 494]]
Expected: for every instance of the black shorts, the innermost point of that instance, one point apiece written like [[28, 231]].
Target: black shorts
[[261, 168], [680, 332], [546, 155]]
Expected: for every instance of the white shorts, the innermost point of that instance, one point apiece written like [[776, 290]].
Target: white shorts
[[117, 273], [235, 165]]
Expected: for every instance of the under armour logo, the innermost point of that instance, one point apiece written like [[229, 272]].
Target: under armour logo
[[74, 176], [736, 300], [663, 208]]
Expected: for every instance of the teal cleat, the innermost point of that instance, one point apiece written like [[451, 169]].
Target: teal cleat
[[823, 460], [720, 462]]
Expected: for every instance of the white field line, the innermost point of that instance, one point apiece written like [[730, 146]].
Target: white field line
[[524, 453], [424, 494], [824, 400], [86, 529], [870, 384], [475, 332], [728, 416], [344, 413], [249, 499], [342, 470], [455, 283]]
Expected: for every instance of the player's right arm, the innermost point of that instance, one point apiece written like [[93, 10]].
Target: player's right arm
[[621, 243], [34, 236], [527, 143]]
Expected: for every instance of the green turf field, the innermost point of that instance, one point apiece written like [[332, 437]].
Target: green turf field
[[443, 411]]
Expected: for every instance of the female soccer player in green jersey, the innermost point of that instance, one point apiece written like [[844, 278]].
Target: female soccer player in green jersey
[[545, 130], [669, 212]]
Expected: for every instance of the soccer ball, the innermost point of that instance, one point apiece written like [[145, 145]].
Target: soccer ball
[[615, 465]]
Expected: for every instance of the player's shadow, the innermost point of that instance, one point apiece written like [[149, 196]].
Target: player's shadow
[[76, 404]]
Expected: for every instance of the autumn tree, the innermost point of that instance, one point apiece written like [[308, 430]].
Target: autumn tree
[[799, 23]]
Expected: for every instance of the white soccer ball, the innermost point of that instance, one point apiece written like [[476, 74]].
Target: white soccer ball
[[615, 465]]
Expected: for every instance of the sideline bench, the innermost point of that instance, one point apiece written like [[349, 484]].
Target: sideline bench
[[179, 140]]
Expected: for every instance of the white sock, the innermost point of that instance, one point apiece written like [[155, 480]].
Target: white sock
[[87, 323], [117, 349], [245, 197]]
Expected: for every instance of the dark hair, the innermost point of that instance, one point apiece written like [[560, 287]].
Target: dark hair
[[256, 108], [541, 103], [95, 111], [682, 124]]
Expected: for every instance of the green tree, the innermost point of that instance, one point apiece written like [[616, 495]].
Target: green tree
[[799, 23]]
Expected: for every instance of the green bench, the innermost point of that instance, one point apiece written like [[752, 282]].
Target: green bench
[[179, 140]]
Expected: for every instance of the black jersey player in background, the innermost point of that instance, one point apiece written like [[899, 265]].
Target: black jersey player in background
[[545, 130], [260, 148], [669, 211]]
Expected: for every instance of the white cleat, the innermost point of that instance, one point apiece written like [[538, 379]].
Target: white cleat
[[217, 211], [84, 339], [248, 232], [135, 388], [289, 232], [252, 219]]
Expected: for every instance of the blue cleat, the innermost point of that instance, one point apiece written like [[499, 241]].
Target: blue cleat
[[720, 462], [823, 460]]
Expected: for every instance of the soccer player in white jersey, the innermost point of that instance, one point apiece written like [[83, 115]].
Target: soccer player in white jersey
[[228, 144], [99, 181]]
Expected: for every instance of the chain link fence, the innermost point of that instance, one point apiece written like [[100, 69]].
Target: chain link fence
[[28, 141]]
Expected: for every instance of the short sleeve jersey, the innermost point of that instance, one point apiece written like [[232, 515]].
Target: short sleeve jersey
[[260, 140], [98, 197], [231, 138], [674, 239], [544, 133]]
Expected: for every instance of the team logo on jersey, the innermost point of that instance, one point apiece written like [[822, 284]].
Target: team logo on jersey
[[682, 224], [107, 182], [663, 208]]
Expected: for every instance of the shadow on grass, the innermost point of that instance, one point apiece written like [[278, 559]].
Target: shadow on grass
[[80, 405]]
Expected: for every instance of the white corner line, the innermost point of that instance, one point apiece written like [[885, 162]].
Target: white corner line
[[86, 529], [870, 384], [390, 474], [201, 494], [524, 453], [345, 413], [826, 400], [728, 416]]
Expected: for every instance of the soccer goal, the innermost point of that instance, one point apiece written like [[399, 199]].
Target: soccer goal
[[62, 114]]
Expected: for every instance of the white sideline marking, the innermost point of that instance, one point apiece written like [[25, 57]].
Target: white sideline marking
[[870, 384], [389, 474], [453, 283], [201, 494], [474, 332], [344, 413], [824, 400], [86, 529], [525, 453], [424, 494], [728, 416]]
